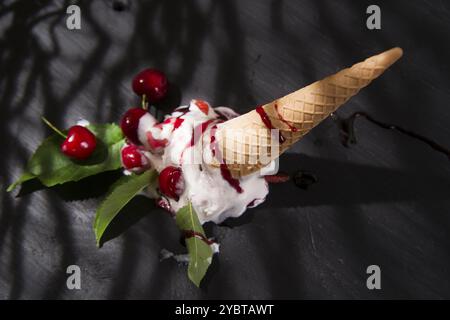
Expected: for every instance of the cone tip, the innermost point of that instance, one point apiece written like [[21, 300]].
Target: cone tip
[[391, 56], [396, 52]]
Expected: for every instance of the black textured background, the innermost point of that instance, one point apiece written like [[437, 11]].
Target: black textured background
[[383, 201]]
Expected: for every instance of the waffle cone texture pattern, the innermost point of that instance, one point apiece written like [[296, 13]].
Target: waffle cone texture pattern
[[244, 139]]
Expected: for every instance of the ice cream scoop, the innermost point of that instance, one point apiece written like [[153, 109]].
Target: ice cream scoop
[[180, 145]]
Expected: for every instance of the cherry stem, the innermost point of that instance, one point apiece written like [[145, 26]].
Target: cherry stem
[[53, 127], [144, 102]]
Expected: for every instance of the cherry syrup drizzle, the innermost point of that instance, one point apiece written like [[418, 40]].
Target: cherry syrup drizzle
[[226, 175], [178, 122], [348, 133], [280, 117], [253, 202], [191, 234], [224, 170], [212, 141], [266, 120], [202, 127]]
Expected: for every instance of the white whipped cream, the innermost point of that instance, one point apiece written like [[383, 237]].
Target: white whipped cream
[[171, 143]]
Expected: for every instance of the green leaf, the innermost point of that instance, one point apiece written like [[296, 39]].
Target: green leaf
[[200, 253], [52, 167], [26, 176], [120, 194]]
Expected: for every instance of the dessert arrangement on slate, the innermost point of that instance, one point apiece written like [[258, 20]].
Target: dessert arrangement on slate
[[199, 163]]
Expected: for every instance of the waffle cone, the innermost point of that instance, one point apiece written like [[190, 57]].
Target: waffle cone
[[244, 139]]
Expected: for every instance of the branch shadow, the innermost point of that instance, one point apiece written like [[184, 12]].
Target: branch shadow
[[87, 188]]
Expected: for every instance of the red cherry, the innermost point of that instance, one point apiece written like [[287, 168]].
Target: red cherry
[[171, 182], [132, 157], [130, 123], [80, 143], [152, 83]]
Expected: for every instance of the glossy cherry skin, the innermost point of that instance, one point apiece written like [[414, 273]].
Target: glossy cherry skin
[[170, 182], [132, 158], [130, 123], [79, 144], [151, 82]]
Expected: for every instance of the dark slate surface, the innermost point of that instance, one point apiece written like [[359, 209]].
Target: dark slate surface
[[383, 201]]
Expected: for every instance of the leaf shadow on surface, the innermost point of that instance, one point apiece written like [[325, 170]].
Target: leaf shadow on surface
[[87, 188], [25, 15], [38, 59]]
